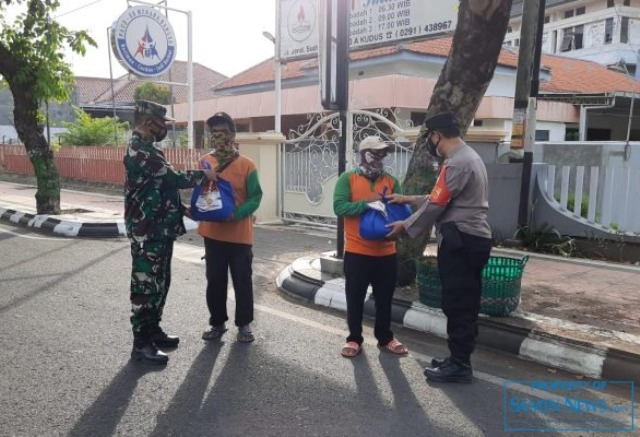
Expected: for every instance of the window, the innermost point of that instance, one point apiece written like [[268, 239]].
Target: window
[[567, 40], [516, 42], [608, 31], [542, 135], [580, 11], [568, 14], [626, 3], [624, 30], [572, 134], [578, 33], [509, 29], [546, 19], [478, 123], [610, 3], [572, 39]]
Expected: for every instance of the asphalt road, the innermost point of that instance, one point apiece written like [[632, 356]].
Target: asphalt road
[[65, 370]]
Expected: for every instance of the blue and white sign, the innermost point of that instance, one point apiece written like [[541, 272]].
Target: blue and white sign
[[143, 41]]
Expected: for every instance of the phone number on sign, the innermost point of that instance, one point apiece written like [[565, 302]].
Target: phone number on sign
[[418, 30], [435, 27]]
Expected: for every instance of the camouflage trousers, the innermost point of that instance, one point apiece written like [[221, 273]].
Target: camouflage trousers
[[150, 280]]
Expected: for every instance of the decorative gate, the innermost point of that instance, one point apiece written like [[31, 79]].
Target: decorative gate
[[310, 160]]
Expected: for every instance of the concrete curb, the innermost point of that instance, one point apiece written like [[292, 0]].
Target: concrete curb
[[581, 357], [75, 227], [66, 228]]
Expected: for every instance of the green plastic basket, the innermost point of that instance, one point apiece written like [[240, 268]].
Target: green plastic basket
[[501, 284]]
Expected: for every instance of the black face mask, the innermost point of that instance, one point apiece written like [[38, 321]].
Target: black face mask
[[432, 147], [160, 135], [159, 130]]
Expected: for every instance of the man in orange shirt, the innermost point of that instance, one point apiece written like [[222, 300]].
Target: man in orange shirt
[[367, 262], [228, 245]]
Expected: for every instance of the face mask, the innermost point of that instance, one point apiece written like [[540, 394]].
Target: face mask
[[157, 128], [220, 138], [160, 134], [432, 147]]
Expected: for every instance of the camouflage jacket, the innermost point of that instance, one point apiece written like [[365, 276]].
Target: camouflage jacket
[[152, 207]]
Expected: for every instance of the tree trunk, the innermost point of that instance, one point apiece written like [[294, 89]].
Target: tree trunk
[[463, 81], [25, 115]]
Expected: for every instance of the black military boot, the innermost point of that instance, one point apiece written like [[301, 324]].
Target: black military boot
[[146, 352], [451, 370], [437, 362], [162, 340]]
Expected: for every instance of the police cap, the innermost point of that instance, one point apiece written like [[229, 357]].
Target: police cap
[[445, 120]]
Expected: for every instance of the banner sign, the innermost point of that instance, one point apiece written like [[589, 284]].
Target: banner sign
[[371, 22]]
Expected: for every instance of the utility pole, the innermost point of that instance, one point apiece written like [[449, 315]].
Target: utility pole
[[525, 102]]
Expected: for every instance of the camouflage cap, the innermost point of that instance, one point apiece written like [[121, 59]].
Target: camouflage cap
[[153, 109]]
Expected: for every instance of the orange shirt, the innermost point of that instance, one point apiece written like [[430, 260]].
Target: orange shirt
[[237, 230], [352, 189]]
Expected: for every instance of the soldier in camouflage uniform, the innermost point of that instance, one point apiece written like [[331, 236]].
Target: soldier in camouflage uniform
[[153, 215]]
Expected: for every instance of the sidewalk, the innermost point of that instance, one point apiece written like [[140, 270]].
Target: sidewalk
[[579, 315]]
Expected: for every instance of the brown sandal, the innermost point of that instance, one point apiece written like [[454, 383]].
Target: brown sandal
[[395, 347]]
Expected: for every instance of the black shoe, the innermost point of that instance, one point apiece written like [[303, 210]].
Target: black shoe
[[450, 371], [437, 362], [148, 353], [162, 339]]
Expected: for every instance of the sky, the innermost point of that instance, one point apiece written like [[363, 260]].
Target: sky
[[227, 34]]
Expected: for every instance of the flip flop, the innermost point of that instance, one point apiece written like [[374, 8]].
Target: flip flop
[[395, 347], [350, 349], [214, 332], [245, 335]]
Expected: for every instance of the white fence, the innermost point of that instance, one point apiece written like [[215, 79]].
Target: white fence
[[598, 182]]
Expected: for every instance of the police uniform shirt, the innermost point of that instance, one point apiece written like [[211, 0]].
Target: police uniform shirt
[[461, 195]]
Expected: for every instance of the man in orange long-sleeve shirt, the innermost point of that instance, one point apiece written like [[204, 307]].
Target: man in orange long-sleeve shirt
[[367, 262], [228, 245]]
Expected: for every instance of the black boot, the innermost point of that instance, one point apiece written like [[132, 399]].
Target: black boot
[[146, 352], [162, 340], [451, 370], [437, 362]]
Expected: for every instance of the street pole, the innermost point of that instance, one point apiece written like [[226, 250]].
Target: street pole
[[277, 122], [525, 102], [113, 96], [342, 99]]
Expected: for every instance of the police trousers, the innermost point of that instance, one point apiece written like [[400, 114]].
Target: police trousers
[[461, 259]]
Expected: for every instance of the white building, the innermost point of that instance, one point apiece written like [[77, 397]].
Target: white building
[[603, 31]]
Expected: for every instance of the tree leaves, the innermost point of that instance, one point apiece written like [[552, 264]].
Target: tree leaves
[[87, 131]]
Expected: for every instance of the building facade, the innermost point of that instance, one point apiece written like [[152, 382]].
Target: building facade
[[603, 31]]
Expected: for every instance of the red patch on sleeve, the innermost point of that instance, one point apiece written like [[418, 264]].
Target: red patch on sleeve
[[440, 194]]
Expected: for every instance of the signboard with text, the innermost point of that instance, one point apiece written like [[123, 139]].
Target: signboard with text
[[371, 22]]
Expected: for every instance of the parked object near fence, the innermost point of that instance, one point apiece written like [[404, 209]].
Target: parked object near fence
[[501, 284]]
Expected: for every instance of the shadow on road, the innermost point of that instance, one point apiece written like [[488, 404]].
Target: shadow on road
[[104, 415]]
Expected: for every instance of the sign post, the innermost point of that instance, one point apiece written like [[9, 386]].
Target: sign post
[[334, 80]]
